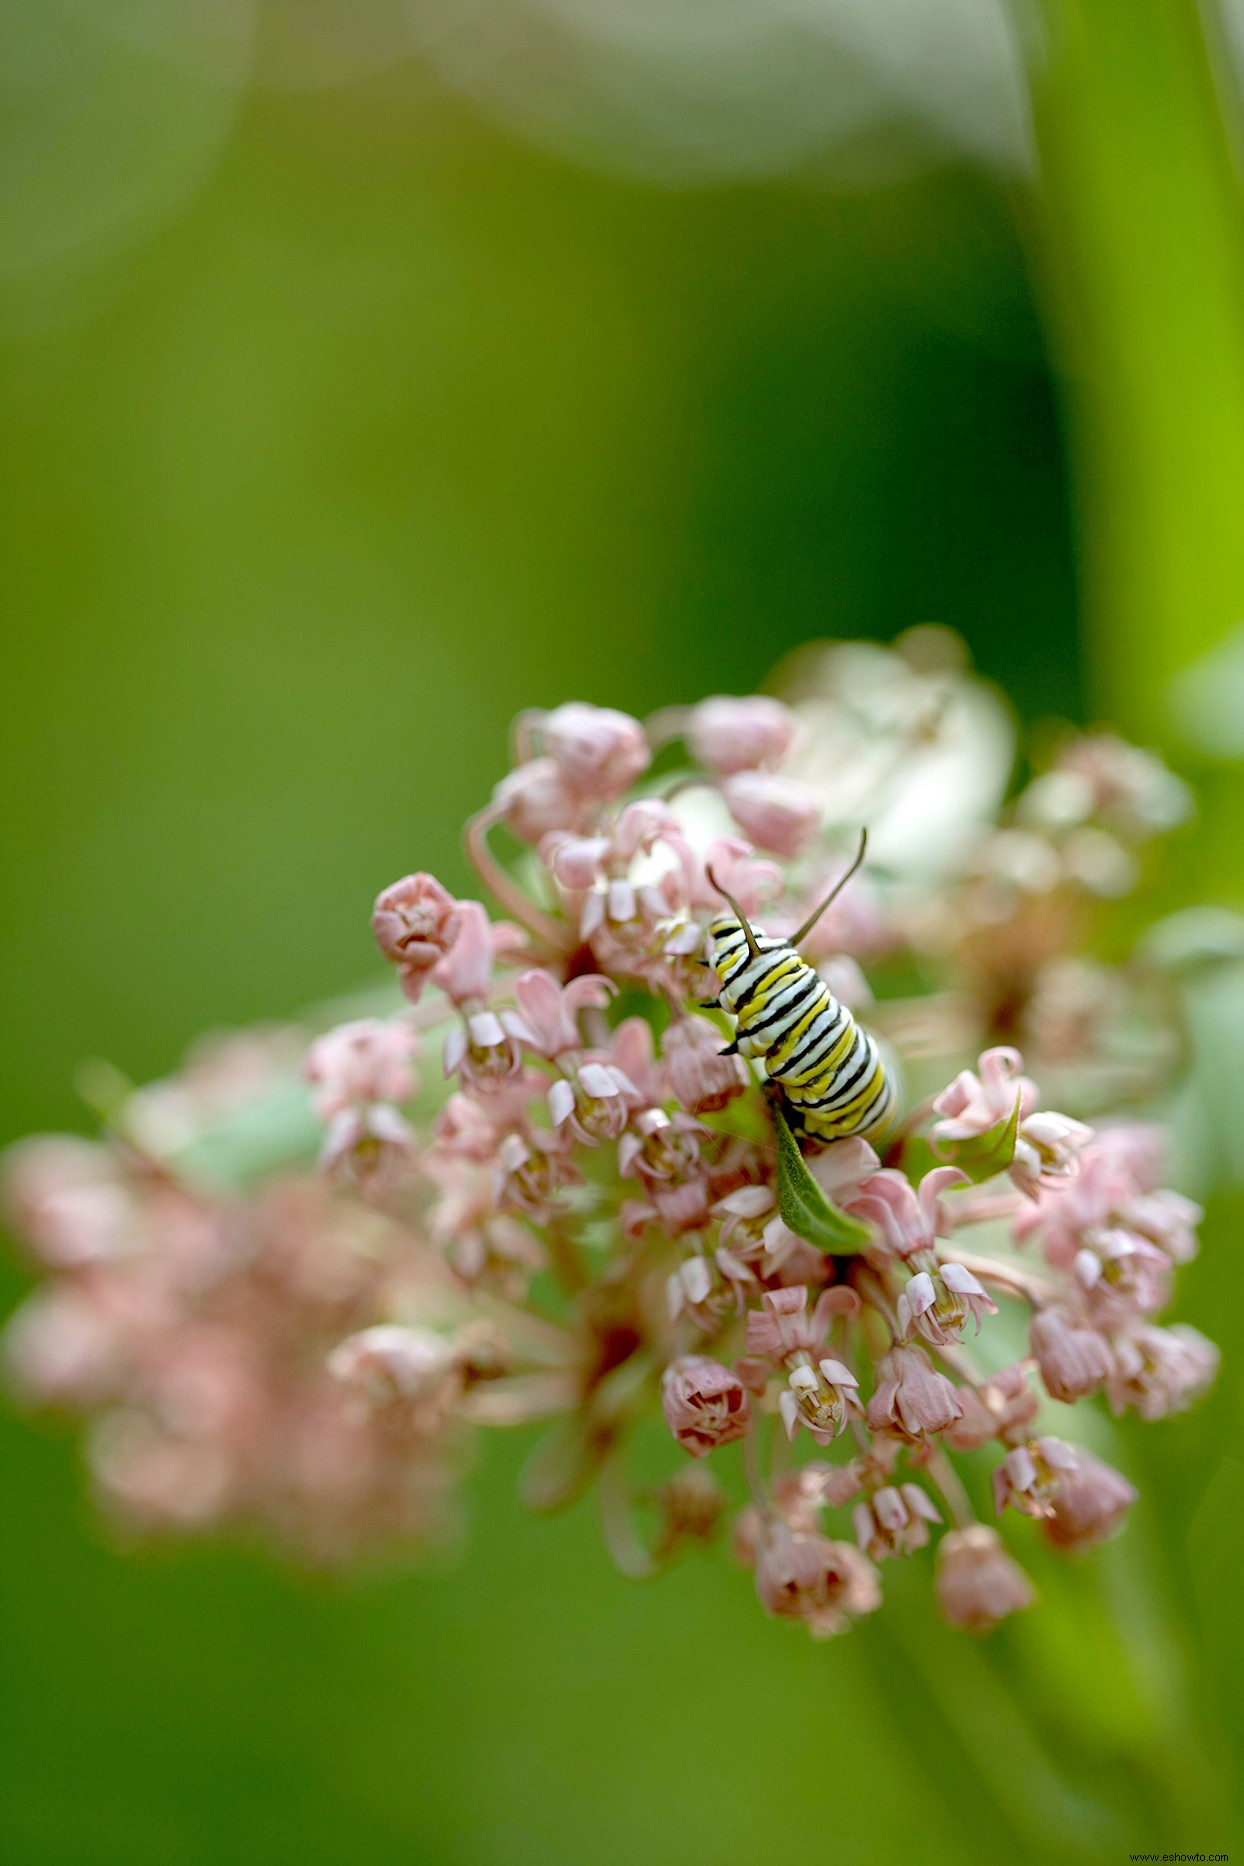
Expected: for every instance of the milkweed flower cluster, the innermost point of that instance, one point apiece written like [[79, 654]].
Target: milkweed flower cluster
[[549, 1189]]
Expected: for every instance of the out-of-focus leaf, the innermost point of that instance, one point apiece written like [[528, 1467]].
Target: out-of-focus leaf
[[804, 1207]]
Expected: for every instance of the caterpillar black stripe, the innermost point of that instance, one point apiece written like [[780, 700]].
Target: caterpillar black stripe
[[830, 1070]]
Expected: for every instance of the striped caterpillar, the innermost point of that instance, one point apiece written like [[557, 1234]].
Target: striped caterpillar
[[829, 1069]]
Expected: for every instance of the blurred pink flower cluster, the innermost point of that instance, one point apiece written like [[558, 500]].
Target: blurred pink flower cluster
[[548, 1191]]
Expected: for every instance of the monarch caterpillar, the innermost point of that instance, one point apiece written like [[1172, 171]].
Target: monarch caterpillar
[[828, 1068]]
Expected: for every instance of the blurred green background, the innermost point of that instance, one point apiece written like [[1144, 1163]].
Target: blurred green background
[[345, 413]]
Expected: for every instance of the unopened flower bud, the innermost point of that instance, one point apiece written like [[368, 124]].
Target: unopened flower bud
[[415, 922], [599, 751], [912, 1399], [726, 735], [977, 1582], [779, 814], [1088, 1505], [536, 800], [1073, 1358]]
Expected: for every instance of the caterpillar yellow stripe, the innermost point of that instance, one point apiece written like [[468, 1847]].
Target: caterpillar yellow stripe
[[830, 1071]]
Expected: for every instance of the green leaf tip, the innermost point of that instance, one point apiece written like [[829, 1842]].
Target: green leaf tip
[[805, 1209]]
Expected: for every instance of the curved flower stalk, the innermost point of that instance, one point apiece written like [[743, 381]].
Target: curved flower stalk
[[550, 1190]]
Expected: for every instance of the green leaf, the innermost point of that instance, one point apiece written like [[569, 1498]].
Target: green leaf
[[804, 1207], [983, 1156]]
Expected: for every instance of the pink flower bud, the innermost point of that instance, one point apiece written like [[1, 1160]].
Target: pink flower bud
[[912, 1399], [1088, 1505], [977, 1582], [415, 922], [465, 972], [726, 735], [537, 799], [705, 1404], [776, 813], [806, 1577], [1073, 1358], [599, 751]]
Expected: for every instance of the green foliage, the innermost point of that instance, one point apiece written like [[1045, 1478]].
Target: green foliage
[[804, 1207]]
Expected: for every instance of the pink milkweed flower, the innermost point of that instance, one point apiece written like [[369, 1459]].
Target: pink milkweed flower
[[1121, 1272], [599, 751], [820, 1392], [977, 1582], [893, 1521], [592, 1105], [1048, 1148], [753, 1230], [673, 1206], [705, 1405], [700, 1077], [976, 1102], [415, 922], [391, 1368], [69, 1202], [1157, 1371], [779, 814], [483, 1054], [728, 735], [912, 1399], [659, 1146], [631, 1049], [1029, 1476], [1167, 1220], [367, 1146], [1002, 1407], [536, 800], [806, 1577], [783, 1327], [580, 862], [464, 1127], [367, 1060], [705, 1290], [546, 1019], [529, 1172], [62, 1348], [821, 1397], [1073, 1358], [939, 1304], [907, 1220]]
